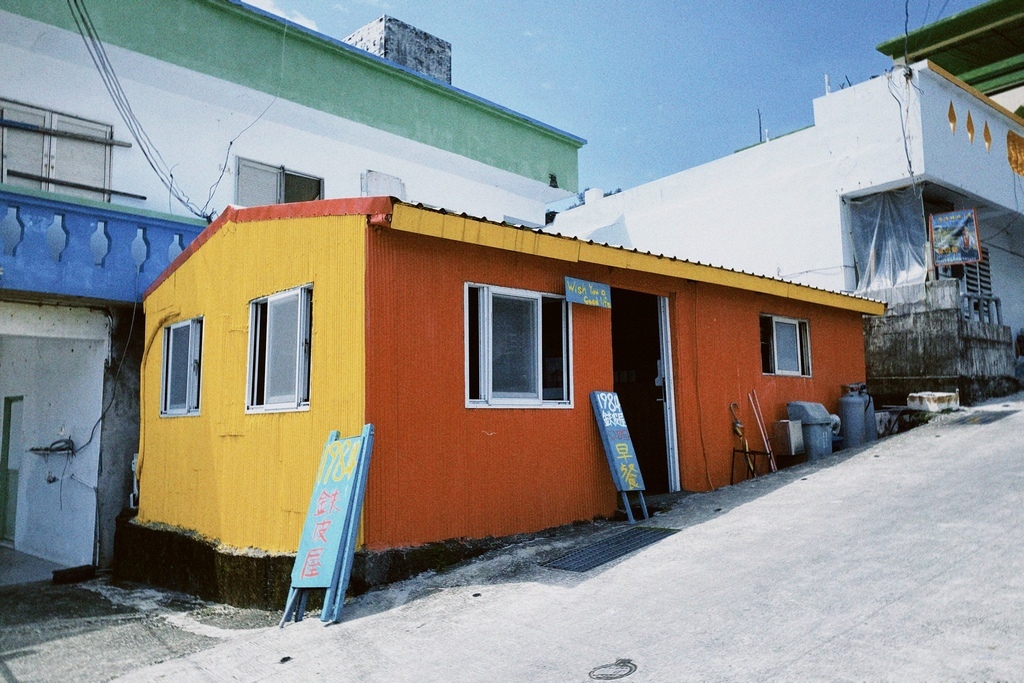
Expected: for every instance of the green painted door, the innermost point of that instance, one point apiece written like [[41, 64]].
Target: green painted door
[[10, 464]]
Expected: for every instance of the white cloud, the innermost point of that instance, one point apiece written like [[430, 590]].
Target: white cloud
[[291, 15]]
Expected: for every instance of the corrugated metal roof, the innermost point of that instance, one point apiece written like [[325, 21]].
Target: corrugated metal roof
[[379, 211], [541, 231]]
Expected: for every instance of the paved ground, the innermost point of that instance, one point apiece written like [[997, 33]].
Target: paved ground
[[898, 562], [16, 568]]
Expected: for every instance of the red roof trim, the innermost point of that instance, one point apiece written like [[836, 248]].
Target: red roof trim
[[380, 208]]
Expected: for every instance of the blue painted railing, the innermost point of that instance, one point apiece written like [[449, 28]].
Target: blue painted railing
[[58, 246]]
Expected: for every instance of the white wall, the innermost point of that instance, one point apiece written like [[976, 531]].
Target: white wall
[[773, 209], [1011, 99], [62, 384], [776, 209], [191, 118]]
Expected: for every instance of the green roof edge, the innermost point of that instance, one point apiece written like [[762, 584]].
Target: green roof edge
[[219, 41], [946, 29]]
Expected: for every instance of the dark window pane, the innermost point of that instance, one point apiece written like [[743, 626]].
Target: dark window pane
[[553, 349], [473, 342], [300, 188], [767, 350], [259, 352], [805, 349], [198, 371]]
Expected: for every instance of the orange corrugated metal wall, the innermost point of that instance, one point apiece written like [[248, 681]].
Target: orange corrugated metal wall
[[717, 359], [441, 470]]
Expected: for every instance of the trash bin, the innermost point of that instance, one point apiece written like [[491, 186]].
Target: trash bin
[[817, 427]]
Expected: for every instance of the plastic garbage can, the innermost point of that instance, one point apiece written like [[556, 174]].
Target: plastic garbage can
[[817, 427]]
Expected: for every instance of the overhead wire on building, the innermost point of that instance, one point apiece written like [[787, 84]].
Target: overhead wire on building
[[117, 373], [227, 152], [97, 52], [696, 378]]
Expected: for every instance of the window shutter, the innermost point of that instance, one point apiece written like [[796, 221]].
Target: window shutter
[[79, 161], [258, 184], [24, 150]]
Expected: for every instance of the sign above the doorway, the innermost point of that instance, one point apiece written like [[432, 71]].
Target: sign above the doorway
[[588, 293]]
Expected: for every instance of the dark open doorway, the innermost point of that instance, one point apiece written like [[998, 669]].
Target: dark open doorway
[[636, 355]]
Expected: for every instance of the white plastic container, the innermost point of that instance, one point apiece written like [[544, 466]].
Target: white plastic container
[[934, 401]]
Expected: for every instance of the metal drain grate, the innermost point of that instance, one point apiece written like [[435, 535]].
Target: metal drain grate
[[982, 417], [609, 549]]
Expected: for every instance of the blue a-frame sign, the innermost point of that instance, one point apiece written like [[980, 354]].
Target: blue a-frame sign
[[618, 448], [328, 541]]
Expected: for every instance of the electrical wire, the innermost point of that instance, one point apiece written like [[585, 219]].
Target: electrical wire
[[97, 52], [117, 373], [227, 152], [696, 380]]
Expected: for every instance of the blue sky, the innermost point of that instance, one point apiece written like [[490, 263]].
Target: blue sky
[[654, 86]]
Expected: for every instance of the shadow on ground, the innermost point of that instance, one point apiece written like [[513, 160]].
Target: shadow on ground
[[96, 631]]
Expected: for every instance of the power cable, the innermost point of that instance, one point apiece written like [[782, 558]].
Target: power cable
[[227, 152], [97, 52]]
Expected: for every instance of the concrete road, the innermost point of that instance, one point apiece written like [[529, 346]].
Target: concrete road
[[902, 561]]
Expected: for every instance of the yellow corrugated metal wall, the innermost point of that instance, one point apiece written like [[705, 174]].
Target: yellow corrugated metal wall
[[233, 458]]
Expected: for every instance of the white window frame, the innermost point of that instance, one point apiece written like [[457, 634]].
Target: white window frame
[[803, 328], [193, 373], [259, 324], [281, 172], [487, 397]]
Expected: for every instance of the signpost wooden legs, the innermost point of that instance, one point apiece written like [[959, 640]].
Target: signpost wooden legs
[[629, 510]]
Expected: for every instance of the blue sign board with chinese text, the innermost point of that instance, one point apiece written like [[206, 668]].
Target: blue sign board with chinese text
[[327, 544], [617, 445], [955, 237], [587, 293]]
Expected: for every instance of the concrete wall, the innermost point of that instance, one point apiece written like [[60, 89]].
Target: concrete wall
[[119, 431], [54, 357], [196, 122], [774, 209], [407, 45], [930, 347]]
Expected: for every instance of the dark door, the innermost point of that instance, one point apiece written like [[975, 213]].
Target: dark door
[[636, 353]]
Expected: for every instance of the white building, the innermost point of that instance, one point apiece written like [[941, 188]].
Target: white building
[[125, 129], [843, 205], [787, 207]]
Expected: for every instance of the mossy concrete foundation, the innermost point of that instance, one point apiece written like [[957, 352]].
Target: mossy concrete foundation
[[176, 559]]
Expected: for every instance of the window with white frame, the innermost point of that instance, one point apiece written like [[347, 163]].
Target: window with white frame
[[281, 327], [259, 184], [182, 369], [46, 150], [517, 348], [785, 346]]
